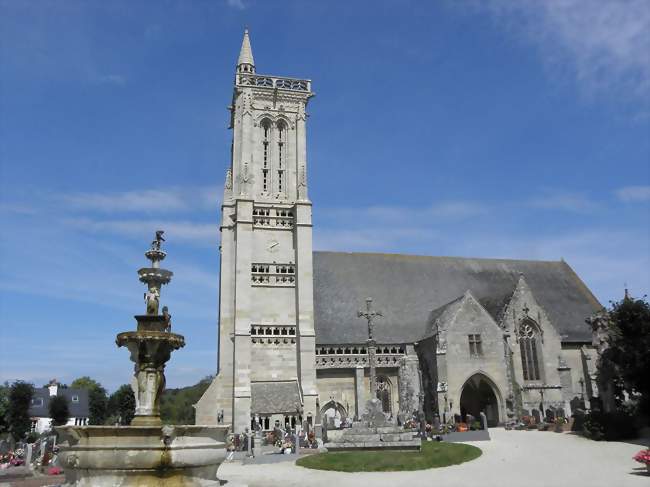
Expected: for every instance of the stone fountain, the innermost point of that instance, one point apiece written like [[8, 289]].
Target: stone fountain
[[145, 453]]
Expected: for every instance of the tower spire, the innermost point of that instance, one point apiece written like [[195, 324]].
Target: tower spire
[[246, 63]]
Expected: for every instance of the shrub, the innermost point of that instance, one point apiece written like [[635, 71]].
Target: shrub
[[59, 411], [614, 426], [578, 421]]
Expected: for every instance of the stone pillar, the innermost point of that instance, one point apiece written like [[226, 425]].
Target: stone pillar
[[409, 385], [242, 355], [359, 392], [306, 346]]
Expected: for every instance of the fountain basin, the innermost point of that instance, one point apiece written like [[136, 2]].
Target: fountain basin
[[181, 455]]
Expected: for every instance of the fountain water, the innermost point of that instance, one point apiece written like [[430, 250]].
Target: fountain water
[[145, 453]]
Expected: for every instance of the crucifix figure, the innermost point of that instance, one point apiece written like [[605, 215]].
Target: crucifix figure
[[369, 315]]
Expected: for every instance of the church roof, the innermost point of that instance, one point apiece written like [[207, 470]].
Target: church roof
[[407, 288], [275, 397]]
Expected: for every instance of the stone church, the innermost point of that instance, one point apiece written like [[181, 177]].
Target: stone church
[[456, 335]]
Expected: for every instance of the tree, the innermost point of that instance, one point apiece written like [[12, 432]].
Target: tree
[[59, 410], [176, 405], [121, 404], [4, 407], [97, 398], [20, 397], [627, 356], [85, 382]]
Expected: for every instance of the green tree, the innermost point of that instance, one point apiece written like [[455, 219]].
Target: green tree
[[59, 410], [121, 405], [177, 405], [85, 382], [627, 357], [4, 407], [20, 397], [97, 398]]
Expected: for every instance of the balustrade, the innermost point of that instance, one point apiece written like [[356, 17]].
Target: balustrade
[[262, 81]]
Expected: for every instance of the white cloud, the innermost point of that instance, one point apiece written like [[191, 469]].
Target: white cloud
[[146, 200], [200, 233], [238, 4], [604, 43], [634, 193], [449, 210], [565, 201]]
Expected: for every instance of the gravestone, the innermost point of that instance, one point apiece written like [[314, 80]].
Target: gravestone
[[484, 423], [536, 415], [29, 453]]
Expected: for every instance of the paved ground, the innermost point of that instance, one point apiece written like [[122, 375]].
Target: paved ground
[[511, 459]]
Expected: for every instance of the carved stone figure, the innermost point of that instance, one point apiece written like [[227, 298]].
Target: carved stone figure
[[228, 183], [152, 298], [168, 319], [155, 245], [147, 385]]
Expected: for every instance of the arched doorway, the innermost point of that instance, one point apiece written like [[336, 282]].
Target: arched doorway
[[478, 395], [384, 394], [333, 414]]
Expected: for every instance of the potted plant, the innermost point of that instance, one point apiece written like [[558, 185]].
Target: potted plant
[[644, 457], [559, 424]]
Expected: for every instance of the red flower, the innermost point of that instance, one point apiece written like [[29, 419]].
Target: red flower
[[643, 456]]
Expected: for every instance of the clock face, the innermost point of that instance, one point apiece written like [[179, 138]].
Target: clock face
[[272, 246]]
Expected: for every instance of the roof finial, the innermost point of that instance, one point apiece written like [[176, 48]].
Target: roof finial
[[627, 294], [246, 63]]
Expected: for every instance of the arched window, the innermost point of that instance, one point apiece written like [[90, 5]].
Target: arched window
[[383, 393], [282, 131], [528, 336], [266, 163]]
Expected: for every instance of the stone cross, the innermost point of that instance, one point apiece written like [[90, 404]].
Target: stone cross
[[369, 315]]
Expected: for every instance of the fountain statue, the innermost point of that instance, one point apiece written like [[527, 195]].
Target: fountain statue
[[145, 453]]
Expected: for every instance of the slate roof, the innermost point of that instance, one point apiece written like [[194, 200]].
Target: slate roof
[[78, 409], [406, 288], [275, 397]]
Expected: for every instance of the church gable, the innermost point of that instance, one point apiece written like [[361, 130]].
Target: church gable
[[524, 307], [466, 324], [465, 314]]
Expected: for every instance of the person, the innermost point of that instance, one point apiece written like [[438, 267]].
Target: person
[[230, 447]]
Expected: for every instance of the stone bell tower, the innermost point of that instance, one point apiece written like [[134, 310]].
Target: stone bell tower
[[266, 314]]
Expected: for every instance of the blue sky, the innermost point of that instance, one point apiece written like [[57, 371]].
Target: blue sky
[[515, 129]]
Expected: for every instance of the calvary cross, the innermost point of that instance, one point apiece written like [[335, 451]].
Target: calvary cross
[[369, 315]]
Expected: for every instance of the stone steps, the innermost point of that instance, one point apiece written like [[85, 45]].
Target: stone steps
[[413, 444]]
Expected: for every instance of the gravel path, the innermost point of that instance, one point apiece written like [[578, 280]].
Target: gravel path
[[511, 459]]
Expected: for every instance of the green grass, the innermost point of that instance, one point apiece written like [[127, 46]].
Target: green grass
[[432, 455]]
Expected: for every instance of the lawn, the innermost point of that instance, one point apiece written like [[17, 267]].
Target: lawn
[[432, 455]]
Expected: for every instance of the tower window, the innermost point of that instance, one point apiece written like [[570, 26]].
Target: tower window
[[266, 129], [281, 132]]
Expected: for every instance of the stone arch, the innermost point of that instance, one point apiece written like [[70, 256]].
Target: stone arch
[[333, 413], [480, 393]]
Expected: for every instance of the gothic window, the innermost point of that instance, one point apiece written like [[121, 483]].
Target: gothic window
[[475, 347], [266, 132], [282, 129], [383, 393], [528, 336]]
